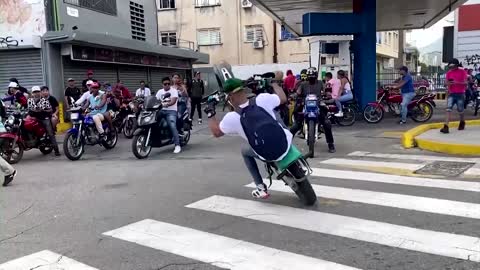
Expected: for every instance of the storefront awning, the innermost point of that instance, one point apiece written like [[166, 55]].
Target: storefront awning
[[103, 40]]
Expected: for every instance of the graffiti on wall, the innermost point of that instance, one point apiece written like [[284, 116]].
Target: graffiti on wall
[[472, 62], [21, 21], [8, 42]]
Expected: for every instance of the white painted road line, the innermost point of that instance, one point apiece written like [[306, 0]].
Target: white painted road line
[[44, 260], [473, 171], [216, 250], [423, 204], [438, 243], [397, 179], [414, 157], [368, 163]]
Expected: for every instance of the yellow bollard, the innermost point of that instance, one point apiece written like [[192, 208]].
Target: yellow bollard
[[62, 125]]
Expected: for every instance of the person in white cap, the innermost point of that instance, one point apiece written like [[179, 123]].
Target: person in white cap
[[86, 95], [14, 95], [41, 109]]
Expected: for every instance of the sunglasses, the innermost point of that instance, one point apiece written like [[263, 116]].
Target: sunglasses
[[166, 84]]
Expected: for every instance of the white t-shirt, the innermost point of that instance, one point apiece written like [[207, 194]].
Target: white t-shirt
[[231, 125], [145, 92], [173, 93], [86, 96]]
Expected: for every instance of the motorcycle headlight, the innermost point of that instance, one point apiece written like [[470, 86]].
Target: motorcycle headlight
[[11, 120], [146, 119], [74, 116]]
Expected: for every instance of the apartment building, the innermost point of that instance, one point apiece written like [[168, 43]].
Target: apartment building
[[234, 31], [388, 47]]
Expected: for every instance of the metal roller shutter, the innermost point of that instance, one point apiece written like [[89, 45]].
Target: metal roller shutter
[[156, 76], [131, 77], [25, 65], [78, 71]]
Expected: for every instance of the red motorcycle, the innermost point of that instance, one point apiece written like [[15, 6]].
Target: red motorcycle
[[23, 133], [420, 109]]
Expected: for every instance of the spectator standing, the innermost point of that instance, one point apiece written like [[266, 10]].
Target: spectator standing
[[71, 91], [289, 82], [89, 78], [457, 82], [53, 103], [143, 91], [196, 94]]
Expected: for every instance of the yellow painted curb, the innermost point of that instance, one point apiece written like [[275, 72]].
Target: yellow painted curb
[[62, 127], [408, 140]]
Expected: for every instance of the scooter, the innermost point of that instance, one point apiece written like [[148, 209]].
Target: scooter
[[153, 130]]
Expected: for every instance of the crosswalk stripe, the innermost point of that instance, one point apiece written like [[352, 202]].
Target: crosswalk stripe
[[215, 249], [438, 243], [413, 157], [473, 171], [397, 179], [45, 260], [423, 204], [368, 163]]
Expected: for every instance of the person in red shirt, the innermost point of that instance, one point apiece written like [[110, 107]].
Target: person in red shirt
[[289, 81], [457, 82], [125, 93]]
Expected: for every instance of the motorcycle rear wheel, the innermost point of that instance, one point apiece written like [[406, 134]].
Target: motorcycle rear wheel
[[71, 140], [138, 146], [422, 112], [185, 138], [311, 138], [304, 192], [8, 151], [373, 115], [348, 118], [45, 149]]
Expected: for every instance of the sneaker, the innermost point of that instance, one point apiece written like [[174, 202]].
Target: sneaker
[[402, 122], [177, 149], [9, 178], [261, 192], [331, 148], [339, 114], [199, 121], [461, 126], [445, 129]]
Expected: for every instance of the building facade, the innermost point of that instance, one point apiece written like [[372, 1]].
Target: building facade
[[388, 47], [466, 38], [52, 40]]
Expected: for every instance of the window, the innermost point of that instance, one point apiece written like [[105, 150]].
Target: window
[[104, 6], [207, 37], [384, 38], [165, 4], [287, 35], [379, 38], [168, 38], [389, 38], [137, 21], [253, 33], [207, 3]]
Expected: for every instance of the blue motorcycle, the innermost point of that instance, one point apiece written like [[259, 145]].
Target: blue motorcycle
[[84, 132], [311, 112]]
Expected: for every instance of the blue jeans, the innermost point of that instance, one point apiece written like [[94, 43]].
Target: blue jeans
[[406, 99], [458, 99], [344, 98], [171, 117], [249, 157]]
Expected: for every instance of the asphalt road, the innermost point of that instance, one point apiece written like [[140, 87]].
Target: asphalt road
[[66, 207]]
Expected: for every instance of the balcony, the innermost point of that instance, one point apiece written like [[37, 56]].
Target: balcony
[[178, 43]]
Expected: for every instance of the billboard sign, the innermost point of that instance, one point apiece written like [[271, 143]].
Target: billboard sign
[[22, 23]]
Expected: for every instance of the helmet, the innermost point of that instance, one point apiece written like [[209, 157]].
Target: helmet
[[13, 85], [312, 73]]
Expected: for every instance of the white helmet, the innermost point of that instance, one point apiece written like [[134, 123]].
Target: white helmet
[[13, 85]]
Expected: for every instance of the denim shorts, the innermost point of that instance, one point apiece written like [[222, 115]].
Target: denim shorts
[[458, 99]]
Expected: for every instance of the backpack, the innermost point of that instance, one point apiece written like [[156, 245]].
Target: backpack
[[264, 133]]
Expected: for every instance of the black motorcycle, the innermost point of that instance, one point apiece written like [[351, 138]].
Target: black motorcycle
[[153, 130]]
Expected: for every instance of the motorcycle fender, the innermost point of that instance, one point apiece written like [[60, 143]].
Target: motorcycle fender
[[376, 104], [73, 131], [138, 131], [10, 136], [432, 103]]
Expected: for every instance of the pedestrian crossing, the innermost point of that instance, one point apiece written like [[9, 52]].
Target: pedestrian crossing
[[215, 249]]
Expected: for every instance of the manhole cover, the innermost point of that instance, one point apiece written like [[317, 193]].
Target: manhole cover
[[445, 168]]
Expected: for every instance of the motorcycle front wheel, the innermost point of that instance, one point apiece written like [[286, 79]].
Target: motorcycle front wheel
[[11, 151], [311, 138], [304, 191], [139, 149], [185, 138], [373, 114], [422, 112], [45, 149], [71, 148], [129, 128]]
